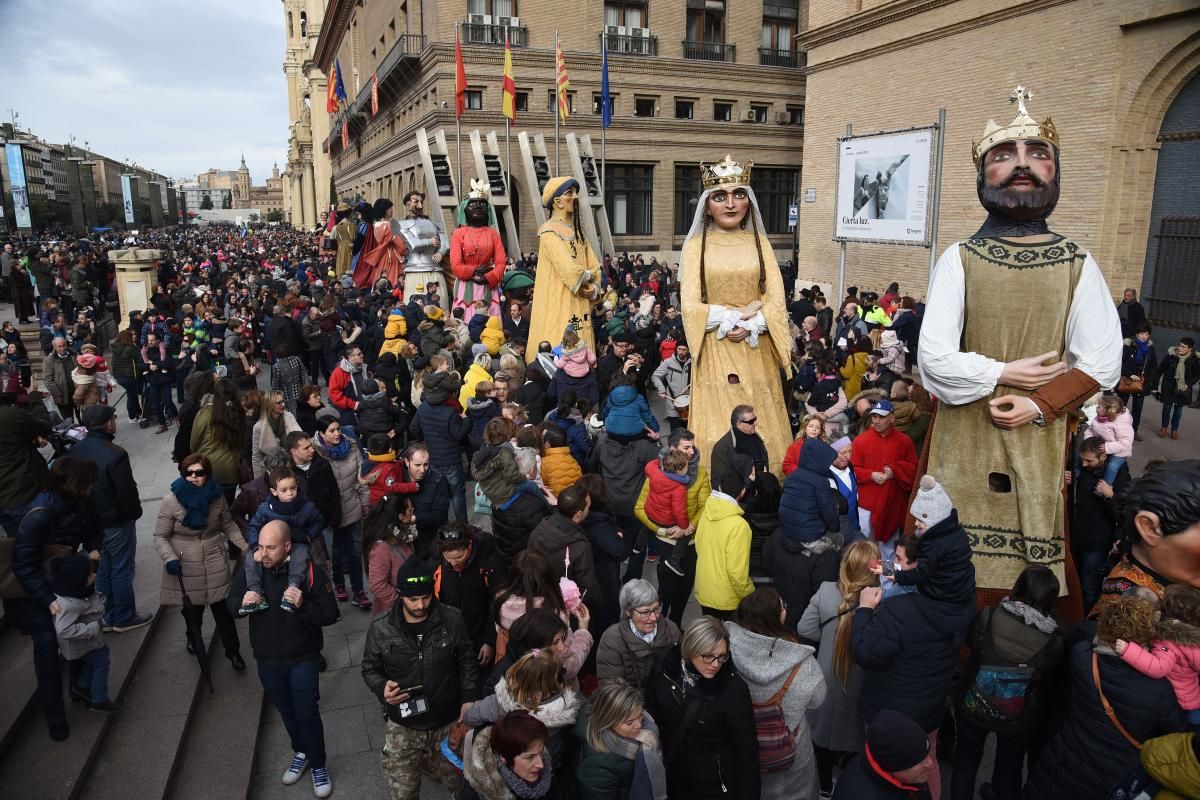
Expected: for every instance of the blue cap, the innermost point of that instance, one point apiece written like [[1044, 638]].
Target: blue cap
[[882, 408]]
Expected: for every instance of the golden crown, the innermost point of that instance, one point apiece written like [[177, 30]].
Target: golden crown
[[725, 173], [1022, 127], [480, 190]]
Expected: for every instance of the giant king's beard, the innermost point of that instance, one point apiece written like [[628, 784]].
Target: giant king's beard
[[1013, 214]]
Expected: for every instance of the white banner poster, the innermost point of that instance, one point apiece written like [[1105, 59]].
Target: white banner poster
[[127, 195], [883, 190], [20, 191]]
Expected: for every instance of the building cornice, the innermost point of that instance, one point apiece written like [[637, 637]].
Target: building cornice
[[337, 17], [808, 42]]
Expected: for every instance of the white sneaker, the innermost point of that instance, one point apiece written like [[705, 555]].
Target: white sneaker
[[322, 786], [295, 769]]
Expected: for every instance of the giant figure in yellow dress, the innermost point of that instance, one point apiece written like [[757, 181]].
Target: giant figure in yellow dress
[[568, 272], [734, 314]]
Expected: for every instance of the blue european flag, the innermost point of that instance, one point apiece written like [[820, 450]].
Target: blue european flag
[[605, 97]]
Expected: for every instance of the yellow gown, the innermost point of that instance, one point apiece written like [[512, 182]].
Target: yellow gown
[[731, 271], [558, 273]]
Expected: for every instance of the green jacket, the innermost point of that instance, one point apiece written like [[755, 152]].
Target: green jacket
[[224, 461], [600, 775], [722, 554]]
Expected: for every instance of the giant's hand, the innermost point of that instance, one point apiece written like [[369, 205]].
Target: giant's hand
[[1012, 411], [1031, 373], [738, 335]]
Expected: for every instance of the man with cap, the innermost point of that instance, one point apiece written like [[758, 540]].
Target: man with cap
[[568, 275], [115, 494], [613, 361], [885, 464], [287, 646], [420, 663], [895, 763]]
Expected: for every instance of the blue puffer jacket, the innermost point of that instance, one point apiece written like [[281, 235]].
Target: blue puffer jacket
[[626, 412], [807, 508], [908, 648], [443, 431], [577, 436]]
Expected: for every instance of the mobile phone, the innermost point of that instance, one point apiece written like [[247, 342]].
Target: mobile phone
[[889, 567]]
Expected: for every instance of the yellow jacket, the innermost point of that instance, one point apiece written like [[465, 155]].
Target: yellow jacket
[[722, 554], [1169, 760], [475, 374], [697, 496], [852, 373], [559, 469], [492, 336], [393, 334]]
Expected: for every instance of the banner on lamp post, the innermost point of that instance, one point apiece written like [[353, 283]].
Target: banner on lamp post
[[127, 197], [20, 190]]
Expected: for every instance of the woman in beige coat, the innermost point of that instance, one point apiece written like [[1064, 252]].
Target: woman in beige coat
[[275, 422], [190, 535]]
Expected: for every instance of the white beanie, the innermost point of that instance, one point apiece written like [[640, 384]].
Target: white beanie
[[932, 504]]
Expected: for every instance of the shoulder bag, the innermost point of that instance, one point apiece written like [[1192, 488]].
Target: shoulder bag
[[1108, 709]]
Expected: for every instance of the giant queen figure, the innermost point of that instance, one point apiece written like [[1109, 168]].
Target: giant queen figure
[[1019, 331]]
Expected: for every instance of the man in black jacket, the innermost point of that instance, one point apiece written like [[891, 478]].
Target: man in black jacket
[[895, 763], [1094, 516], [420, 663], [466, 577], [431, 503], [439, 424], [287, 646], [514, 519], [118, 506], [282, 329], [23, 470]]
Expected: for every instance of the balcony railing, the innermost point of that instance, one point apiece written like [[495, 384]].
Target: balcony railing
[[769, 57], [627, 44], [476, 33], [709, 51]]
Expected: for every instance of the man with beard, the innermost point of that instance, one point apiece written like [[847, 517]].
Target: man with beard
[[427, 248], [1008, 370], [1095, 516], [568, 276], [673, 379], [477, 255]]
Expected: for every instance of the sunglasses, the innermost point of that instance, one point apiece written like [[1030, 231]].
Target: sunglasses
[[195, 473], [751, 421]]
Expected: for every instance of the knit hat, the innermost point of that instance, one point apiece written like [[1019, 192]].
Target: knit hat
[[840, 443], [414, 578], [556, 187], [97, 415], [69, 575], [932, 504], [895, 742], [478, 350], [434, 312]]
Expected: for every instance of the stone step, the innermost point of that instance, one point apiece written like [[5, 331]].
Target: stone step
[[17, 701], [218, 750], [149, 730], [33, 765]]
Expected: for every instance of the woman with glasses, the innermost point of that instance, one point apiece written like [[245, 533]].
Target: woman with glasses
[[629, 647], [777, 667], [193, 526], [275, 422], [734, 312], [703, 710]]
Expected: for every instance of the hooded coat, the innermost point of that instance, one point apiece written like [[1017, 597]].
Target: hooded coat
[[559, 468], [557, 535], [765, 663], [1175, 655], [944, 571], [556, 712], [473, 376], [482, 776], [799, 568], [626, 413], [807, 508], [394, 332], [492, 336], [515, 519], [723, 554]]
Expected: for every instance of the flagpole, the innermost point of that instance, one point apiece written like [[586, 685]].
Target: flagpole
[[457, 116], [557, 106], [604, 101], [507, 129]]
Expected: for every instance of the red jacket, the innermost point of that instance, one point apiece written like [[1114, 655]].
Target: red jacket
[[389, 478], [887, 502], [666, 502], [339, 379], [791, 458]]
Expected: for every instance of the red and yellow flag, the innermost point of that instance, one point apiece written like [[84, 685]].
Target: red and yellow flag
[[564, 83], [345, 133], [460, 79], [331, 103], [374, 94], [509, 103]]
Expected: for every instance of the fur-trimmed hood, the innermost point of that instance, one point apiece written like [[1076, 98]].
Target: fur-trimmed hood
[[479, 767], [1172, 630], [558, 711]]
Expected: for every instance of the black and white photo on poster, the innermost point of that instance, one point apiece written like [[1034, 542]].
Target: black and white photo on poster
[[883, 187]]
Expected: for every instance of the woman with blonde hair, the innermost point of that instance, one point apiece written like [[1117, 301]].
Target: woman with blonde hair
[[275, 422], [535, 684], [812, 426], [837, 730], [619, 747]]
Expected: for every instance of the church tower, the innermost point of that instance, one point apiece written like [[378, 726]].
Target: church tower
[[242, 184]]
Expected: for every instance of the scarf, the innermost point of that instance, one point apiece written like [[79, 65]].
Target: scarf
[[336, 452], [998, 227], [1140, 351], [751, 444], [649, 773], [275, 422], [1181, 373], [1030, 615], [519, 786], [196, 500], [648, 638], [350, 368]]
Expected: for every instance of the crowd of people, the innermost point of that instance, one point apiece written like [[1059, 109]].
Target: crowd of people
[[494, 501]]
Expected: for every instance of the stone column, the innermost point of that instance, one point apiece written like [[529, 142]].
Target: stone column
[[310, 199], [137, 272]]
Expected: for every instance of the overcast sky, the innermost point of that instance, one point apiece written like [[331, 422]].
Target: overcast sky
[[176, 86]]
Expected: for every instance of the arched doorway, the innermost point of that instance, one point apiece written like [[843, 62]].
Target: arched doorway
[[1171, 273]]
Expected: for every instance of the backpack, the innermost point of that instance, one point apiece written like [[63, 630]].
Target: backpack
[[776, 742], [997, 695]]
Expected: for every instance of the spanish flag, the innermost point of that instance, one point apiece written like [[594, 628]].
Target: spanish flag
[[509, 103], [460, 79], [564, 83]]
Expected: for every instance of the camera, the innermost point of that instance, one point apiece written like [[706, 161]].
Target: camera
[[414, 704]]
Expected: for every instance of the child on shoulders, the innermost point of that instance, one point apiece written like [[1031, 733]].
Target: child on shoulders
[[286, 503]]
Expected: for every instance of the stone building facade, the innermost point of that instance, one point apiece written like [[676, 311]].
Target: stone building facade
[[305, 184], [1109, 72], [691, 81]]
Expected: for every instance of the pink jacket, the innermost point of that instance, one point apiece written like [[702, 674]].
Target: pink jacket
[[383, 562], [1178, 663], [578, 362], [1116, 433], [579, 643]]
